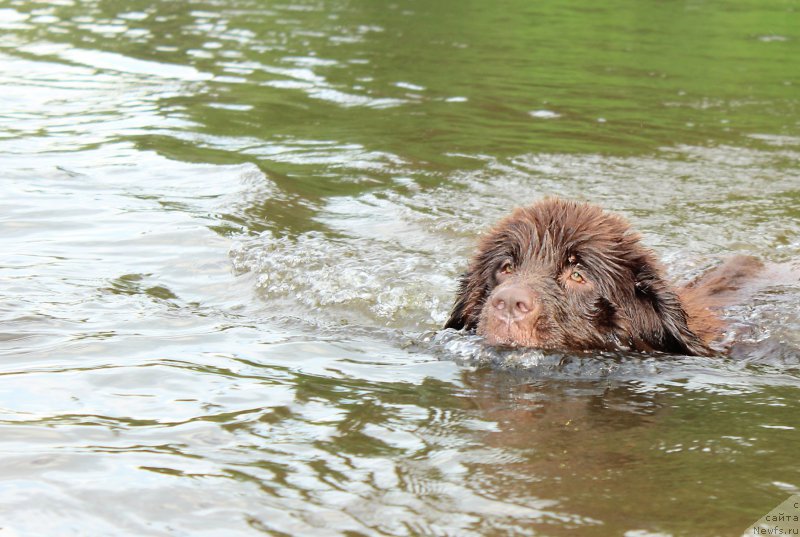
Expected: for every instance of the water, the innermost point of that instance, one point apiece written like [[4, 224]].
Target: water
[[232, 229]]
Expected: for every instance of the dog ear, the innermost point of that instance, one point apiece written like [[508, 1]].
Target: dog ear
[[667, 327], [468, 301]]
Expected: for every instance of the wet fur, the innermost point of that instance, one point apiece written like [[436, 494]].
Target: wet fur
[[627, 305]]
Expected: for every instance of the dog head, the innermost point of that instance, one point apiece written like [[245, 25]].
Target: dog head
[[566, 275]]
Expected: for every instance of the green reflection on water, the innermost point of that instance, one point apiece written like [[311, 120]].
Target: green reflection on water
[[423, 80], [336, 98]]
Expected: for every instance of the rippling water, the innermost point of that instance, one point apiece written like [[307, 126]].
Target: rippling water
[[231, 230]]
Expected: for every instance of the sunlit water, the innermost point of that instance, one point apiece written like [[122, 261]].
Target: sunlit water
[[231, 230]]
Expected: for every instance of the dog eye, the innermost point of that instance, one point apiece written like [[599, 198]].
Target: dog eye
[[576, 276], [506, 268]]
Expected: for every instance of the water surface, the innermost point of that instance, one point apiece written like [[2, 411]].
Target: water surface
[[231, 229]]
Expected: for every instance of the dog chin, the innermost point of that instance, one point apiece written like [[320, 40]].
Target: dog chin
[[504, 335]]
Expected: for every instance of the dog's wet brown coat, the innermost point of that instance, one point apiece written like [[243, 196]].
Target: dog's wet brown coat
[[566, 275]]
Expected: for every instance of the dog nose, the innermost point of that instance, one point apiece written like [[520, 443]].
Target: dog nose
[[514, 302]]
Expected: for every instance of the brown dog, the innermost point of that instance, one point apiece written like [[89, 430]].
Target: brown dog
[[567, 275]]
